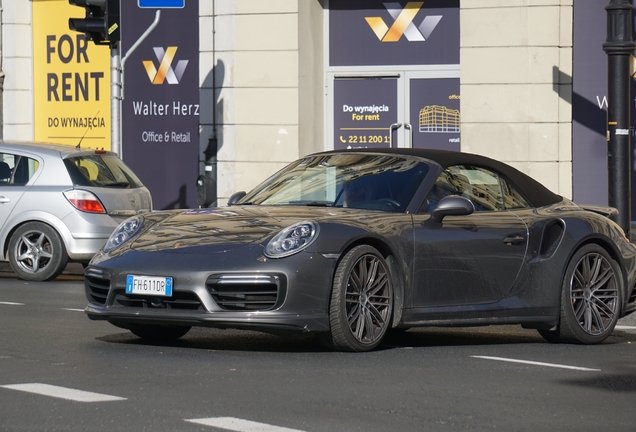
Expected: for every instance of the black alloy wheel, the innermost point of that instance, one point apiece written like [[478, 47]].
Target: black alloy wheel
[[591, 298], [362, 301]]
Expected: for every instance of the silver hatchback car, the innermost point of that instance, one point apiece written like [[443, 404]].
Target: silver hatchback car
[[60, 204]]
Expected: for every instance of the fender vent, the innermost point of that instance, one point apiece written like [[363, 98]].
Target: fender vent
[[552, 235]]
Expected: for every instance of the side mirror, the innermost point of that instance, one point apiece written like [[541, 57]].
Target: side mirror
[[236, 197], [452, 205]]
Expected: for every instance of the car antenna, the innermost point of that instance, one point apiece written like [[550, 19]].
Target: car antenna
[[85, 132]]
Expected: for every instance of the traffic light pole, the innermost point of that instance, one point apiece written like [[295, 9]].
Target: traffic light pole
[[619, 46], [101, 24], [116, 86]]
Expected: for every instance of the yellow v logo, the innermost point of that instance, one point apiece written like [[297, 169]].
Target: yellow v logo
[[165, 71], [403, 24]]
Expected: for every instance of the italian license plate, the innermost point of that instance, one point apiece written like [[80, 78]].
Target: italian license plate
[[149, 285]]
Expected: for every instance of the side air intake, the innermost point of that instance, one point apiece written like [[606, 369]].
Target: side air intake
[[551, 238]]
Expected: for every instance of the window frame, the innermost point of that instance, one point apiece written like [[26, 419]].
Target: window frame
[[504, 185]]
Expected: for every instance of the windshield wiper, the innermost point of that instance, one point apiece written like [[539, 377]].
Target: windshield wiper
[[117, 184], [318, 204]]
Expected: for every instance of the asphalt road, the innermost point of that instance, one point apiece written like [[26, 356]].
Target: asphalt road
[[60, 371]]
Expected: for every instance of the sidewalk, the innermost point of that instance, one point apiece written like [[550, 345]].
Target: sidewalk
[[73, 272]]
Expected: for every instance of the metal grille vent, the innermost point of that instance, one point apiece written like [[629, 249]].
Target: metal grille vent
[[182, 300], [253, 292], [97, 287]]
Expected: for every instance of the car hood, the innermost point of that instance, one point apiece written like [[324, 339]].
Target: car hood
[[223, 229]]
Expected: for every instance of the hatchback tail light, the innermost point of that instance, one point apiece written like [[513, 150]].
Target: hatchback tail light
[[84, 201]]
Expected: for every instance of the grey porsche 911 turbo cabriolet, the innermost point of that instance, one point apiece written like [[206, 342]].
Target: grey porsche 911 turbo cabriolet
[[350, 244]]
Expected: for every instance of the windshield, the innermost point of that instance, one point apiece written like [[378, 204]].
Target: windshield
[[101, 171], [372, 182]]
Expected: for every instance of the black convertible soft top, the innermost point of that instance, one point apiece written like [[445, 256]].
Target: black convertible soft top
[[535, 192]]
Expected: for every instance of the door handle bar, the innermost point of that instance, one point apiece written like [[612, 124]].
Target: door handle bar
[[393, 126], [513, 240], [410, 134]]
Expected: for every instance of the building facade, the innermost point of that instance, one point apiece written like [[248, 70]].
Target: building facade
[[284, 78]]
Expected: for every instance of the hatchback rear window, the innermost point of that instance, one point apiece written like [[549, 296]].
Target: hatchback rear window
[[101, 171]]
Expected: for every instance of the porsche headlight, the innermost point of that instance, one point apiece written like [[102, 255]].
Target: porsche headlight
[[124, 232], [292, 239]]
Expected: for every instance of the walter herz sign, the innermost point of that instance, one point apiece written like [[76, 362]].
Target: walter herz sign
[[150, 108], [160, 110]]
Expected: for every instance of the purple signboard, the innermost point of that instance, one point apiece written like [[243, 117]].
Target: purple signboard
[[160, 112], [373, 32], [364, 110], [589, 106], [434, 113], [589, 103]]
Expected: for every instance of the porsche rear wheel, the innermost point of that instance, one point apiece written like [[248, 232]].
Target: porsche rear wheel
[[159, 333], [591, 298], [37, 252], [361, 301]]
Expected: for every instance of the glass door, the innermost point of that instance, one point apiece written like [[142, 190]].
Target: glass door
[[432, 111], [407, 109], [366, 112]]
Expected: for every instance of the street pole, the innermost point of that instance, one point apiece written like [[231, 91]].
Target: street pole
[[115, 104], [207, 194], [619, 46], [117, 64]]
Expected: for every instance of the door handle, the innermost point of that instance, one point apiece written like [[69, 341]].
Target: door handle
[[513, 240], [393, 126], [408, 127], [4, 199]]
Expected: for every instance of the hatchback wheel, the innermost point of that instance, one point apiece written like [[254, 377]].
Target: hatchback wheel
[[36, 252], [361, 303], [591, 298]]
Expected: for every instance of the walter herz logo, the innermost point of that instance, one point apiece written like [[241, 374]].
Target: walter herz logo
[[404, 23], [165, 72]]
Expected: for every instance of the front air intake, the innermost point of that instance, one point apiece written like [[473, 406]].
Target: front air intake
[[180, 300], [97, 286], [252, 292]]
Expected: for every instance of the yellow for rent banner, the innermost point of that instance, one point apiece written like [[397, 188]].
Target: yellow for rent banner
[[71, 79]]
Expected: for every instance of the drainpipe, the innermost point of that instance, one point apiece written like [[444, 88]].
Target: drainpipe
[[1, 74], [207, 183]]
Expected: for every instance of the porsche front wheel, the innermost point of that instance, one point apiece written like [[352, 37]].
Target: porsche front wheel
[[361, 301], [591, 298]]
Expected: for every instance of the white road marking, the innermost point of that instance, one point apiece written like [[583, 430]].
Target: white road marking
[[63, 392], [538, 363], [73, 310], [622, 327], [239, 425], [12, 304]]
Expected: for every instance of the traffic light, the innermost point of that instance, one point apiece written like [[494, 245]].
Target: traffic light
[[101, 23]]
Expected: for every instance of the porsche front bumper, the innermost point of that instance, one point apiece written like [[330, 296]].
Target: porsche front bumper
[[227, 290]]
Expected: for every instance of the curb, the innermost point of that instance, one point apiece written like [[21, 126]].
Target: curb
[[73, 272]]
